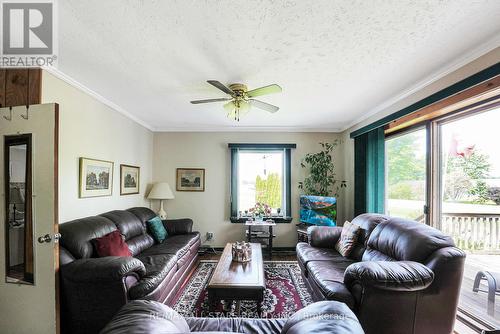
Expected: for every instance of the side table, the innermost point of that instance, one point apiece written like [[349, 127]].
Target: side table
[[302, 232], [254, 236]]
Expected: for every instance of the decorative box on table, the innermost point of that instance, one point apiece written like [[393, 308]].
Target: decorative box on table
[[241, 251]]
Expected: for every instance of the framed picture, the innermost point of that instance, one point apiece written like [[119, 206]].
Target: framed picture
[[190, 179], [96, 178], [129, 179]]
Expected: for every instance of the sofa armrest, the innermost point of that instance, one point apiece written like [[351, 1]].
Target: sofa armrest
[[388, 275], [110, 268], [323, 317], [178, 226], [323, 236], [94, 289]]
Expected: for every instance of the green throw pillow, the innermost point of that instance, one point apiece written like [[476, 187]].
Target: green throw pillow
[[156, 228]]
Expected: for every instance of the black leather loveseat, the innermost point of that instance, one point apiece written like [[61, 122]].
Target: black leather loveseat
[[327, 317], [94, 289], [402, 277]]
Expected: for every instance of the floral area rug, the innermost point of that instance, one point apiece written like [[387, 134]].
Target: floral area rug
[[285, 293]]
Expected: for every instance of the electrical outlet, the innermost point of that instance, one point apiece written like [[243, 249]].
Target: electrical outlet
[[210, 236]]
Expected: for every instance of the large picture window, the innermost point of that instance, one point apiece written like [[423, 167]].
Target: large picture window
[[260, 173]]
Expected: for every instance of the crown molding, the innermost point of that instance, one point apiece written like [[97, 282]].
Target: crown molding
[[247, 129], [69, 80], [460, 62]]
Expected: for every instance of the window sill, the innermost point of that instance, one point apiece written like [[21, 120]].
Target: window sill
[[277, 220]]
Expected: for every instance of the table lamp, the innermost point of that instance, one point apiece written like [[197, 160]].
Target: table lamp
[[161, 191]]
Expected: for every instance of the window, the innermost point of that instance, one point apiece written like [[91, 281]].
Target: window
[[406, 169], [260, 173]]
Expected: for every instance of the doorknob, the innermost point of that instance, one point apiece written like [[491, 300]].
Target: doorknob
[[47, 238]]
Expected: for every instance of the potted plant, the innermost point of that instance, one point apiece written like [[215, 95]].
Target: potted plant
[[318, 205], [321, 180]]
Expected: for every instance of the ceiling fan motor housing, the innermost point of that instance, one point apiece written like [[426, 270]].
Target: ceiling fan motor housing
[[238, 89]]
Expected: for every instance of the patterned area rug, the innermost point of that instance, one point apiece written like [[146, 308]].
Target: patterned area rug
[[285, 293]]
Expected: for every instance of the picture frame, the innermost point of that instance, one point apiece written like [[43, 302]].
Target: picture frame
[[96, 178], [130, 179], [190, 179]]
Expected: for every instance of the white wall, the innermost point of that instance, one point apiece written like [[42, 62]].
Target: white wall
[[473, 67], [89, 128], [209, 150]]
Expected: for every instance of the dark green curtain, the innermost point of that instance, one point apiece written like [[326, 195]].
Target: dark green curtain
[[369, 174]]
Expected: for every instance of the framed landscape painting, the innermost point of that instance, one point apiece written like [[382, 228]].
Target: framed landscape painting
[[190, 179], [96, 178], [129, 179]]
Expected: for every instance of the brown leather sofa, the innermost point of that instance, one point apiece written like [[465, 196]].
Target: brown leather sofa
[[327, 317], [93, 289], [402, 277]]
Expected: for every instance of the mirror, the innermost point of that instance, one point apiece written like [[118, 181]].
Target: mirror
[[19, 227]]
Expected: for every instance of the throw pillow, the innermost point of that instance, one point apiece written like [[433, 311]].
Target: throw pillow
[[348, 238], [112, 244], [157, 230]]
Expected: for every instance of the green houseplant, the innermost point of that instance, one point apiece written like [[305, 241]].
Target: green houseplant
[[321, 180]]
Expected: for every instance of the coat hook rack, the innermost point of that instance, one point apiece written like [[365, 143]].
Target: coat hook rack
[[27, 116], [9, 118]]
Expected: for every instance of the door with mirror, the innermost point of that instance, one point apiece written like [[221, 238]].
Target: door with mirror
[[28, 212]]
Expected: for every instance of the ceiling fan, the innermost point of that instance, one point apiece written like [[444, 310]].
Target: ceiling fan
[[241, 99]]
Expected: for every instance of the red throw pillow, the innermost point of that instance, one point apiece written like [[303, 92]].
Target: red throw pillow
[[112, 244]]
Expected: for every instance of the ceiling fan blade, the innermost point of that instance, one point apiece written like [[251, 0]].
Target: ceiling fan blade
[[210, 100], [263, 105], [219, 85], [271, 89]]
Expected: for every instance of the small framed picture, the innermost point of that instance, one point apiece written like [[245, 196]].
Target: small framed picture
[[129, 179], [96, 178], [190, 179]]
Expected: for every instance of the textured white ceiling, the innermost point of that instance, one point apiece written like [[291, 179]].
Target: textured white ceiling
[[336, 60]]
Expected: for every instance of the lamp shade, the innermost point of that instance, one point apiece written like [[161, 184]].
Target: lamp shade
[[16, 196], [161, 190]]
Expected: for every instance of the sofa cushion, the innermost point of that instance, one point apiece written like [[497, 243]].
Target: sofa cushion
[[140, 243], [157, 268], [348, 238], [144, 214], [407, 240], [218, 325], [167, 247], [329, 277], [306, 253], [367, 222], [128, 224], [144, 316], [323, 317], [156, 229], [111, 244], [76, 235]]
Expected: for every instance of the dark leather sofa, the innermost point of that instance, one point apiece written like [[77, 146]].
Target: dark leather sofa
[[402, 277], [93, 289], [154, 318]]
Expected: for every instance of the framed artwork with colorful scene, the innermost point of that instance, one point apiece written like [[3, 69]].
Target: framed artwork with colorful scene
[[190, 179], [96, 178], [129, 179]]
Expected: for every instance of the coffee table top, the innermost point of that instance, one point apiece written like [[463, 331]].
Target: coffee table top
[[229, 273]]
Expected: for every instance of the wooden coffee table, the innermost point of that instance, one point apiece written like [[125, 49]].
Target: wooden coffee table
[[238, 281]]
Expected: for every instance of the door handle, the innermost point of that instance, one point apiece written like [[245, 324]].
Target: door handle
[[47, 238]]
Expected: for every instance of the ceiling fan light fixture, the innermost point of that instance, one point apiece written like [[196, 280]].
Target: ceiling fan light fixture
[[241, 99], [236, 108]]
